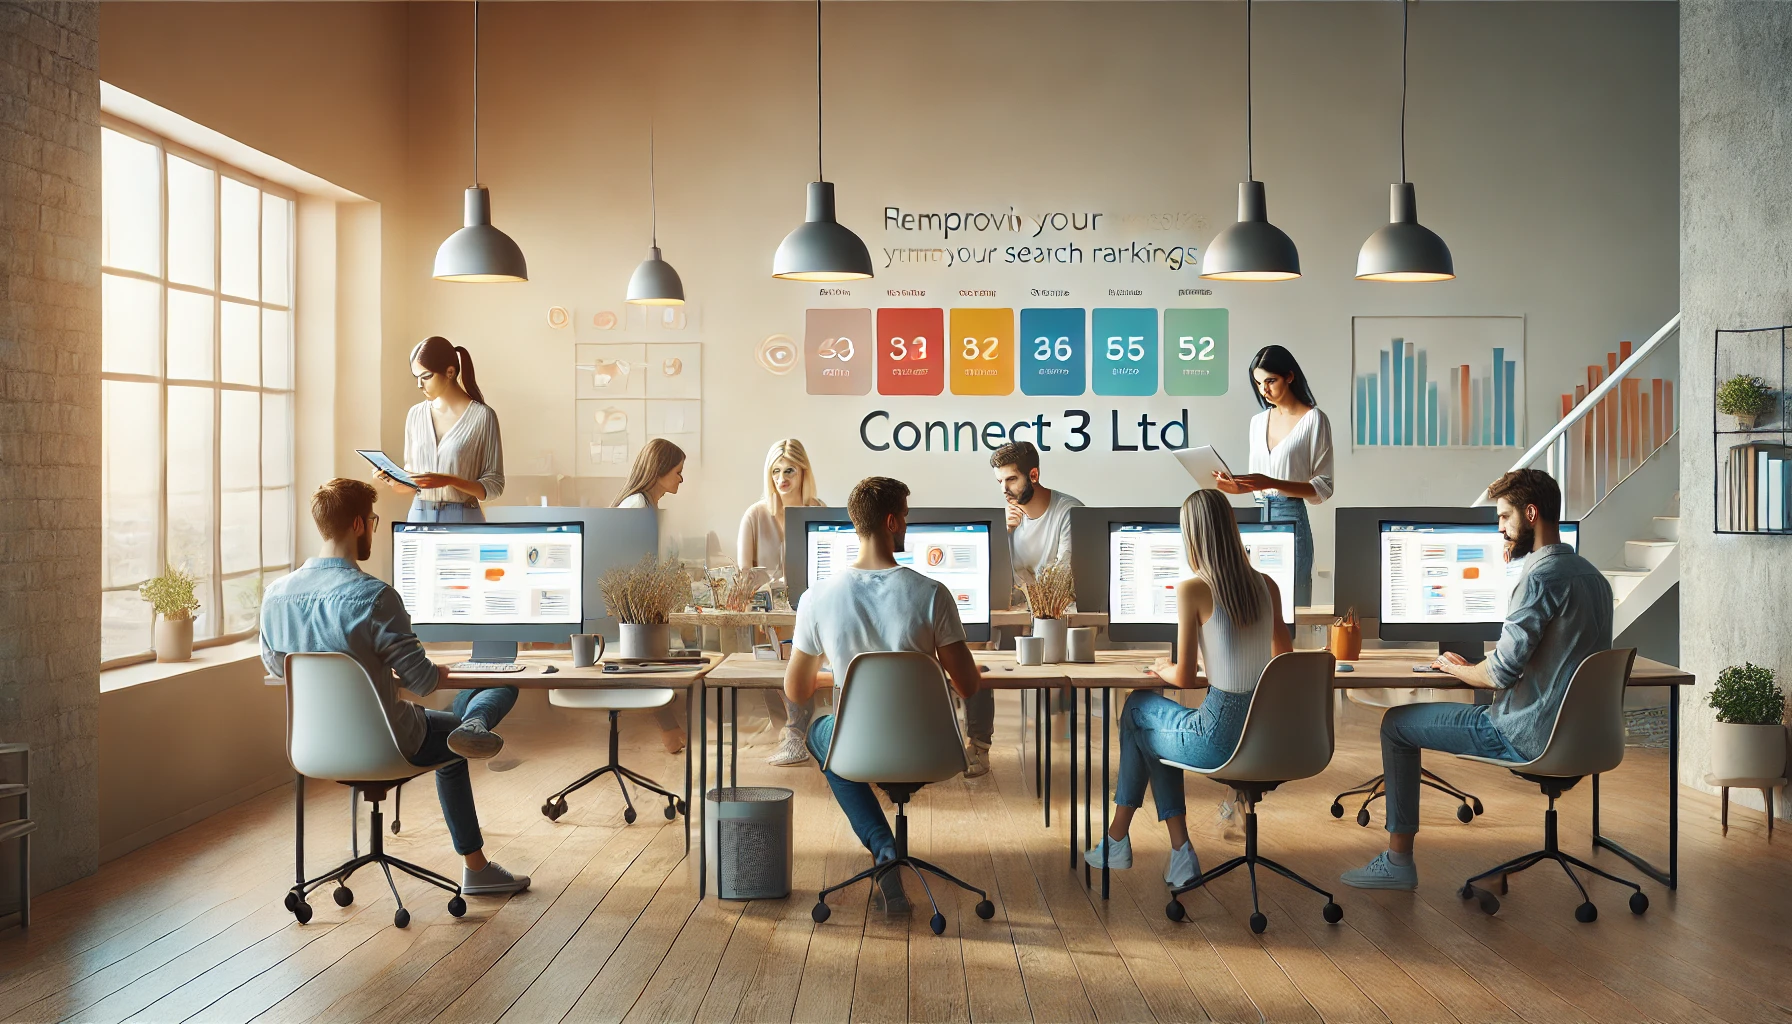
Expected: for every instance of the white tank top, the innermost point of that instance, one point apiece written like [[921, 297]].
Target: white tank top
[[1234, 658]]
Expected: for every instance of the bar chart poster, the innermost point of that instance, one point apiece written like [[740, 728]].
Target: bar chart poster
[[1438, 382]]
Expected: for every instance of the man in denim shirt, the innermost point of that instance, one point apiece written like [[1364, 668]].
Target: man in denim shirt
[[328, 605], [1561, 612]]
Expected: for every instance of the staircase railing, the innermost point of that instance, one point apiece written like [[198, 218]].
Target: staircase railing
[[1624, 413]]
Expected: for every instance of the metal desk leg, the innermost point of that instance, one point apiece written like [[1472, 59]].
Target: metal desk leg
[[1038, 734], [1070, 808], [690, 698], [734, 735], [1105, 788], [1088, 776], [1670, 877], [702, 705]]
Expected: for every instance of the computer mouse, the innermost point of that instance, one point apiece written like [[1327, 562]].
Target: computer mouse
[[1346, 667], [983, 668], [548, 670]]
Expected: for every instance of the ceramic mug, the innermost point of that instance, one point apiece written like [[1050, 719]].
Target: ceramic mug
[[586, 649], [1029, 650], [1079, 644]]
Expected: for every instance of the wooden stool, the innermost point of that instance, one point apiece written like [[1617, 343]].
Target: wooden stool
[[1766, 786]]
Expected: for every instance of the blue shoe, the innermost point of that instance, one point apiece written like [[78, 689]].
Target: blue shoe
[[1184, 866], [1383, 873], [1119, 853]]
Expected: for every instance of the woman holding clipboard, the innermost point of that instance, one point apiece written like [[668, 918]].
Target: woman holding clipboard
[[452, 449], [1291, 455]]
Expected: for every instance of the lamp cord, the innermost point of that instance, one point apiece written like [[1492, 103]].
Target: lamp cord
[[653, 200], [475, 93], [1249, 174], [1405, 16], [819, 176]]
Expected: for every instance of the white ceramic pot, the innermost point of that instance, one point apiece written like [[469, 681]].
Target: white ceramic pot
[[1748, 751], [174, 640], [644, 642], [1052, 631]]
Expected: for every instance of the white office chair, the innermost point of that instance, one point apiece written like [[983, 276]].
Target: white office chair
[[1288, 735], [1468, 804], [337, 730], [615, 702], [1586, 739], [895, 728]]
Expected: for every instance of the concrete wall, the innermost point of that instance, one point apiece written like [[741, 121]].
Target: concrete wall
[[50, 419], [1735, 272]]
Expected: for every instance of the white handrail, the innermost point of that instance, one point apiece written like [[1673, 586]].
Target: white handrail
[[1586, 405]]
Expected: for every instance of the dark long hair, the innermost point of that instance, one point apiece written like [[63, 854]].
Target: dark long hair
[[1279, 361], [437, 354]]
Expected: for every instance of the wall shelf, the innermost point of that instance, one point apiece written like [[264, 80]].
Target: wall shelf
[[1751, 486]]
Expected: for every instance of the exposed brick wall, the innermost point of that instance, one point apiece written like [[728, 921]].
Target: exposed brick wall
[[50, 421]]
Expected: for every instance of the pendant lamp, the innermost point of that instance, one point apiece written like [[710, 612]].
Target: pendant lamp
[[654, 283], [821, 248], [1404, 250], [1252, 249], [479, 253]]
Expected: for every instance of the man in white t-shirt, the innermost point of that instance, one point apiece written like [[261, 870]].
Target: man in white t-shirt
[[873, 605], [1038, 535]]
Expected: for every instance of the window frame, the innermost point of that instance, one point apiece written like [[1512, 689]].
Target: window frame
[[214, 599]]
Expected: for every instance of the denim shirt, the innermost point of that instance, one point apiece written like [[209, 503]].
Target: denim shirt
[[1561, 612], [328, 605]]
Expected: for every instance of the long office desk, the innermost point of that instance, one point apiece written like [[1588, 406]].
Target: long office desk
[[1129, 670], [1004, 618]]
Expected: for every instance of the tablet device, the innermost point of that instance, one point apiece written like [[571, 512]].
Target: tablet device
[[1201, 464], [387, 466]]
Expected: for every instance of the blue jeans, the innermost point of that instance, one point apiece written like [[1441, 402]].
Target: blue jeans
[[1451, 728], [1153, 726], [454, 788], [1294, 510], [857, 799], [443, 512]]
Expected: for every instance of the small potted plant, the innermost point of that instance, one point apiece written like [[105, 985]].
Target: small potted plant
[[642, 597], [1748, 741], [1745, 397], [172, 596], [1049, 595]]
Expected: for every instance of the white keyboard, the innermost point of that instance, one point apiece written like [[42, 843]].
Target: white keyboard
[[487, 666]]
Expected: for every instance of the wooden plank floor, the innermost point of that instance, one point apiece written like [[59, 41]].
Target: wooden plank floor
[[191, 928]]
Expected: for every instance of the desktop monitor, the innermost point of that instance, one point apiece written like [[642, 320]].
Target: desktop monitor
[[485, 582], [1447, 581], [1122, 558], [613, 538]]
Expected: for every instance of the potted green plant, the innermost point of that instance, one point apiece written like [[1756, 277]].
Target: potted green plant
[[1049, 596], [642, 597], [1748, 741], [1746, 397], [172, 596]]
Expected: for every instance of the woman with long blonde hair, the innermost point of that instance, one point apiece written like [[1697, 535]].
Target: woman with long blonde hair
[[1229, 623], [658, 471], [789, 483]]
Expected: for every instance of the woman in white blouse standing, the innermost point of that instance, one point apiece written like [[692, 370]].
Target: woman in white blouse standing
[[1291, 455], [789, 481], [451, 443]]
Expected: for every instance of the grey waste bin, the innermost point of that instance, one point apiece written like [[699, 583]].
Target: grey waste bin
[[749, 842]]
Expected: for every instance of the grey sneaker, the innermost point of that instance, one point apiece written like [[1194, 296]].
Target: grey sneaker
[[491, 880], [791, 750], [1383, 873], [473, 741], [888, 896], [976, 759]]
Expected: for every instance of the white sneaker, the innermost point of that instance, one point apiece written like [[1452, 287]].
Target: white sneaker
[[1119, 852], [473, 741], [491, 880], [791, 750], [1184, 866], [1383, 873], [976, 759]]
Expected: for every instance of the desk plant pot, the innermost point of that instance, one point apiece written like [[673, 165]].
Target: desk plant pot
[[174, 639], [1050, 594], [645, 641], [641, 596], [1748, 741], [1053, 632]]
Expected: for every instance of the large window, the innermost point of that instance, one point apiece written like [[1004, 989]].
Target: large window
[[197, 371]]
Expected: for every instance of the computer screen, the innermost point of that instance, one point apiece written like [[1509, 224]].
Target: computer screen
[[1447, 573], [956, 554], [516, 581], [1146, 560]]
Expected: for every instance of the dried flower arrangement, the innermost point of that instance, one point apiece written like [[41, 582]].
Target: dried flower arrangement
[[645, 593], [734, 588], [1052, 591]]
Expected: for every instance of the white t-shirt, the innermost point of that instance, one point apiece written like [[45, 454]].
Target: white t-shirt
[[860, 610], [1037, 543]]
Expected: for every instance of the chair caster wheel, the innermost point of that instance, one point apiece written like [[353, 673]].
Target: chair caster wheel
[[302, 911], [457, 907], [629, 815], [1337, 809], [554, 809], [1259, 922], [987, 910], [401, 918], [820, 912], [671, 811], [343, 896], [684, 808], [1332, 913], [1465, 814], [1586, 913], [394, 826], [1362, 817], [1638, 903], [1174, 910], [1479, 809], [292, 902], [938, 923], [1467, 892], [1490, 904]]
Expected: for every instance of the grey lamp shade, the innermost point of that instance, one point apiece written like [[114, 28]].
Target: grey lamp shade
[[821, 249], [480, 253], [1404, 250], [655, 283], [1252, 249]]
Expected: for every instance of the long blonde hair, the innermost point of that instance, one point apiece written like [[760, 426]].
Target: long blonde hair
[[655, 459], [792, 451], [1216, 554]]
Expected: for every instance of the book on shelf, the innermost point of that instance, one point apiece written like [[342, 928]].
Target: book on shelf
[[1759, 487]]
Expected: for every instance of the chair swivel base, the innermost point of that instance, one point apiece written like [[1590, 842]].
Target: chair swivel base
[[555, 805], [1586, 913], [1250, 861], [1376, 788], [985, 909], [376, 854]]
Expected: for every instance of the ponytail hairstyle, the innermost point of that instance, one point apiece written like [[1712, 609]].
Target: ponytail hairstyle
[[1216, 554], [439, 355]]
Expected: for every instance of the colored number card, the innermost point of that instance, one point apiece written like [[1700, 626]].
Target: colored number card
[[1054, 357], [837, 346], [1195, 352], [1124, 361], [982, 351], [911, 351]]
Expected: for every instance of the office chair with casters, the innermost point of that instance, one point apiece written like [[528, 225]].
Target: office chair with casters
[[895, 728], [1288, 735], [1587, 739], [1469, 805], [615, 702], [337, 730]]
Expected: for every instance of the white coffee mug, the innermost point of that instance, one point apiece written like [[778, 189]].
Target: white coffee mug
[[586, 649], [1079, 644], [1029, 650]]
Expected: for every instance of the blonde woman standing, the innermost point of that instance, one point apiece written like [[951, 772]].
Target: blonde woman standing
[[657, 472], [789, 481]]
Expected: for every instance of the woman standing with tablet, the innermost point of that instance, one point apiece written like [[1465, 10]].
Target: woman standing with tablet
[[451, 445], [1291, 456]]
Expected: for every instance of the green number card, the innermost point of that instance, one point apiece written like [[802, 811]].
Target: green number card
[[1195, 363]]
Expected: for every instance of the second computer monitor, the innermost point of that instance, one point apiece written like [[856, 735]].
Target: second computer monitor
[[1447, 582], [1127, 562], [515, 582]]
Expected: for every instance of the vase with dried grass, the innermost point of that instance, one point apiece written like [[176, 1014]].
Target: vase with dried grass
[[1050, 594], [642, 597]]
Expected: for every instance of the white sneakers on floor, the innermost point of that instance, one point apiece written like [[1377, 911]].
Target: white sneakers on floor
[[1119, 852], [1383, 873], [791, 750], [1183, 867], [976, 759], [491, 880]]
